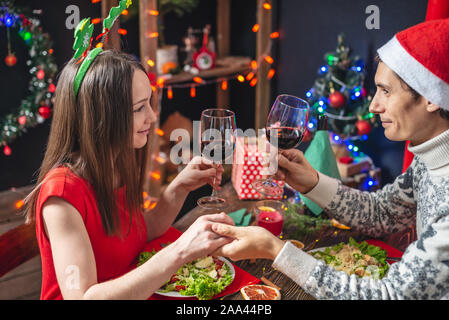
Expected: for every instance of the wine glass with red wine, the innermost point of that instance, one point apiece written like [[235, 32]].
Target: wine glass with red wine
[[217, 138], [285, 128]]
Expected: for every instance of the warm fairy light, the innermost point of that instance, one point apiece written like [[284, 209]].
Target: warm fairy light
[[99, 45], [224, 85], [274, 35], [271, 74], [146, 204], [197, 80], [150, 63], [153, 88], [269, 59], [256, 27], [160, 82], [253, 82], [153, 12], [241, 78], [122, 31], [153, 34], [144, 194], [95, 1], [193, 91], [249, 76], [170, 93], [19, 204], [254, 64], [153, 205], [96, 20], [159, 132], [267, 6], [125, 12], [50, 51], [160, 160], [155, 175]]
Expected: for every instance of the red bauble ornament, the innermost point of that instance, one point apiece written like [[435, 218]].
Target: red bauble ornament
[[52, 88], [363, 127], [40, 74], [7, 151], [10, 60], [22, 120], [337, 99], [45, 112]]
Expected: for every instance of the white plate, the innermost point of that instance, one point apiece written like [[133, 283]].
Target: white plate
[[176, 294]]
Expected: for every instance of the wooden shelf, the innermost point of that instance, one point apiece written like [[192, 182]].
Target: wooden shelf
[[224, 67]]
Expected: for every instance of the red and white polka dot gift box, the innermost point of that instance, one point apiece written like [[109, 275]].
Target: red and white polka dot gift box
[[250, 160]]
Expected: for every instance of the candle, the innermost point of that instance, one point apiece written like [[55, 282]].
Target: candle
[[271, 220]]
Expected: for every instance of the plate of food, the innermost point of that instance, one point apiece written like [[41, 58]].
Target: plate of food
[[361, 259], [202, 278]]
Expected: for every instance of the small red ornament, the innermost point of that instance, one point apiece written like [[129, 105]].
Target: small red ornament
[[40, 74], [7, 150], [10, 60], [52, 88], [45, 112], [363, 127], [22, 120], [337, 99]]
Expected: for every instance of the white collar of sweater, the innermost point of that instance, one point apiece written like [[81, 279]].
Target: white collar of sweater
[[434, 153]]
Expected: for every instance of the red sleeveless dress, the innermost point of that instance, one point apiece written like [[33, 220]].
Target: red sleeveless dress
[[113, 256]]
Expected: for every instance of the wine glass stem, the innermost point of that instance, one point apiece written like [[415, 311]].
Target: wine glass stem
[[213, 189]]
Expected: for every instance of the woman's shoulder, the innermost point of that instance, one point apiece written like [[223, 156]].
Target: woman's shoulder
[[64, 183]]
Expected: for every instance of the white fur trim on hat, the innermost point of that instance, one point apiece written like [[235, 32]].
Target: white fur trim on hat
[[415, 74]]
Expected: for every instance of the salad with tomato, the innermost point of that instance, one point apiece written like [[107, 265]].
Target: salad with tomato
[[203, 278]]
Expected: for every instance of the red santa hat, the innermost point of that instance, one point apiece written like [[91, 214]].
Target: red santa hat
[[420, 56]]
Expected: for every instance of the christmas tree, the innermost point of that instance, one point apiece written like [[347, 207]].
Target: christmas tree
[[339, 93]]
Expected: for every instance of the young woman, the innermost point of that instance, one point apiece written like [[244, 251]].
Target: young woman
[[88, 199], [412, 100]]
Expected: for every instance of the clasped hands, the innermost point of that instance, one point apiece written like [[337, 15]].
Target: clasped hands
[[222, 238]]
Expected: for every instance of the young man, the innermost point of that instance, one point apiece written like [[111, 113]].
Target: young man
[[412, 100]]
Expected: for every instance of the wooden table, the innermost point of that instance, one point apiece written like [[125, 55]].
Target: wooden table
[[262, 267]]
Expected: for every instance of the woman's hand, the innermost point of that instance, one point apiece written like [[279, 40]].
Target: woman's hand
[[249, 242], [198, 172], [294, 168], [199, 240]]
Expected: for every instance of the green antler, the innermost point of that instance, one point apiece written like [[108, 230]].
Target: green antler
[[83, 35], [115, 13]]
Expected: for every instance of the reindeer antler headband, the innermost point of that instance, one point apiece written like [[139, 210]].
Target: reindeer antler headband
[[84, 39]]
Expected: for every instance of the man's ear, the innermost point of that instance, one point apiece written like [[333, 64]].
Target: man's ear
[[430, 107]]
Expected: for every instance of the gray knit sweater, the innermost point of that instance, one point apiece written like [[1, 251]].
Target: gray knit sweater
[[421, 195]]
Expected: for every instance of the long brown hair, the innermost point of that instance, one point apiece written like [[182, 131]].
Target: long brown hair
[[92, 134]]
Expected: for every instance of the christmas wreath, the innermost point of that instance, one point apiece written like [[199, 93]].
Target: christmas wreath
[[36, 107]]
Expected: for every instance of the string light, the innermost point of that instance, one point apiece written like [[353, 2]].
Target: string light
[[155, 175], [224, 85], [153, 34], [193, 91], [256, 28], [267, 5], [96, 21], [122, 31], [241, 78], [153, 12], [150, 63], [170, 93], [19, 204], [249, 76], [274, 35], [271, 74], [159, 132], [254, 65], [269, 59], [253, 82], [125, 12], [198, 80]]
